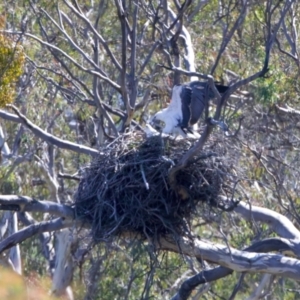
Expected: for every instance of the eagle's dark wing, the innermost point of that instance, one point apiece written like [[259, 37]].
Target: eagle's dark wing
[[199, 100], [185, 96], [201, 94]]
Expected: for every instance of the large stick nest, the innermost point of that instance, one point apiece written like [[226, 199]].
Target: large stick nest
[[127, 188]]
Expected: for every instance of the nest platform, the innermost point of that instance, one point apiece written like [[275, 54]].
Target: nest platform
[[127, 188]]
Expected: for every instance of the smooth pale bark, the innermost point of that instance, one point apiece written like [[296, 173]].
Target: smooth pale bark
[[210, 275], [4, 224], [64, 265], [11, 219], [5, 227], [279, 223], [46, 240], [24, 203], [5, 151], [265, 281], [237, 260], [15, 253], [32, 230], [189, 57]]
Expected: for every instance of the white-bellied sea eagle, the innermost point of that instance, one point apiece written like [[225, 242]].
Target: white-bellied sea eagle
[[186, 107]]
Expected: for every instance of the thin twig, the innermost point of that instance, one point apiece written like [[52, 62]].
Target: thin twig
[[144, 177]]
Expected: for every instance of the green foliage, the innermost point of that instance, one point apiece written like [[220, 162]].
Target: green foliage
[[266, 90], [12, 59], [129, 271], [8, 182]]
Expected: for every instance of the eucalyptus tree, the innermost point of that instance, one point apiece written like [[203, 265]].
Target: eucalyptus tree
[[97, 70]]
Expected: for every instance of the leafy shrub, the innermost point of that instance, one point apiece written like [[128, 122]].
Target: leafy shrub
[[12, 59]]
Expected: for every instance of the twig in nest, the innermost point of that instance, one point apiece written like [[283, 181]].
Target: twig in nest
[[144, 177]]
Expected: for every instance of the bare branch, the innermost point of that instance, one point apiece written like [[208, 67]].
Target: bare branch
[[14, 253], [45, 239], [268, 47], [237, 260], [24, 203], [32, 230], [289, 54], [97, 72], [279, 223], [227, 36], [185, 72], [50, 179], [147, 59], [124, 29], [96, 92], [20, 118], [201, 3], [209, 275], [292, 42], [189, 57], [68, 176], [201, 278], [132, 76], [288, 109], [96, 33], [237, 286], [256, 294], [72, 43]]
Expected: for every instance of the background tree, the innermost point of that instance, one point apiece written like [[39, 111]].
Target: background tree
[[94, 73]]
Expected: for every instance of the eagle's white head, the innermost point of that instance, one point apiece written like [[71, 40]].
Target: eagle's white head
[[167, 119]]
